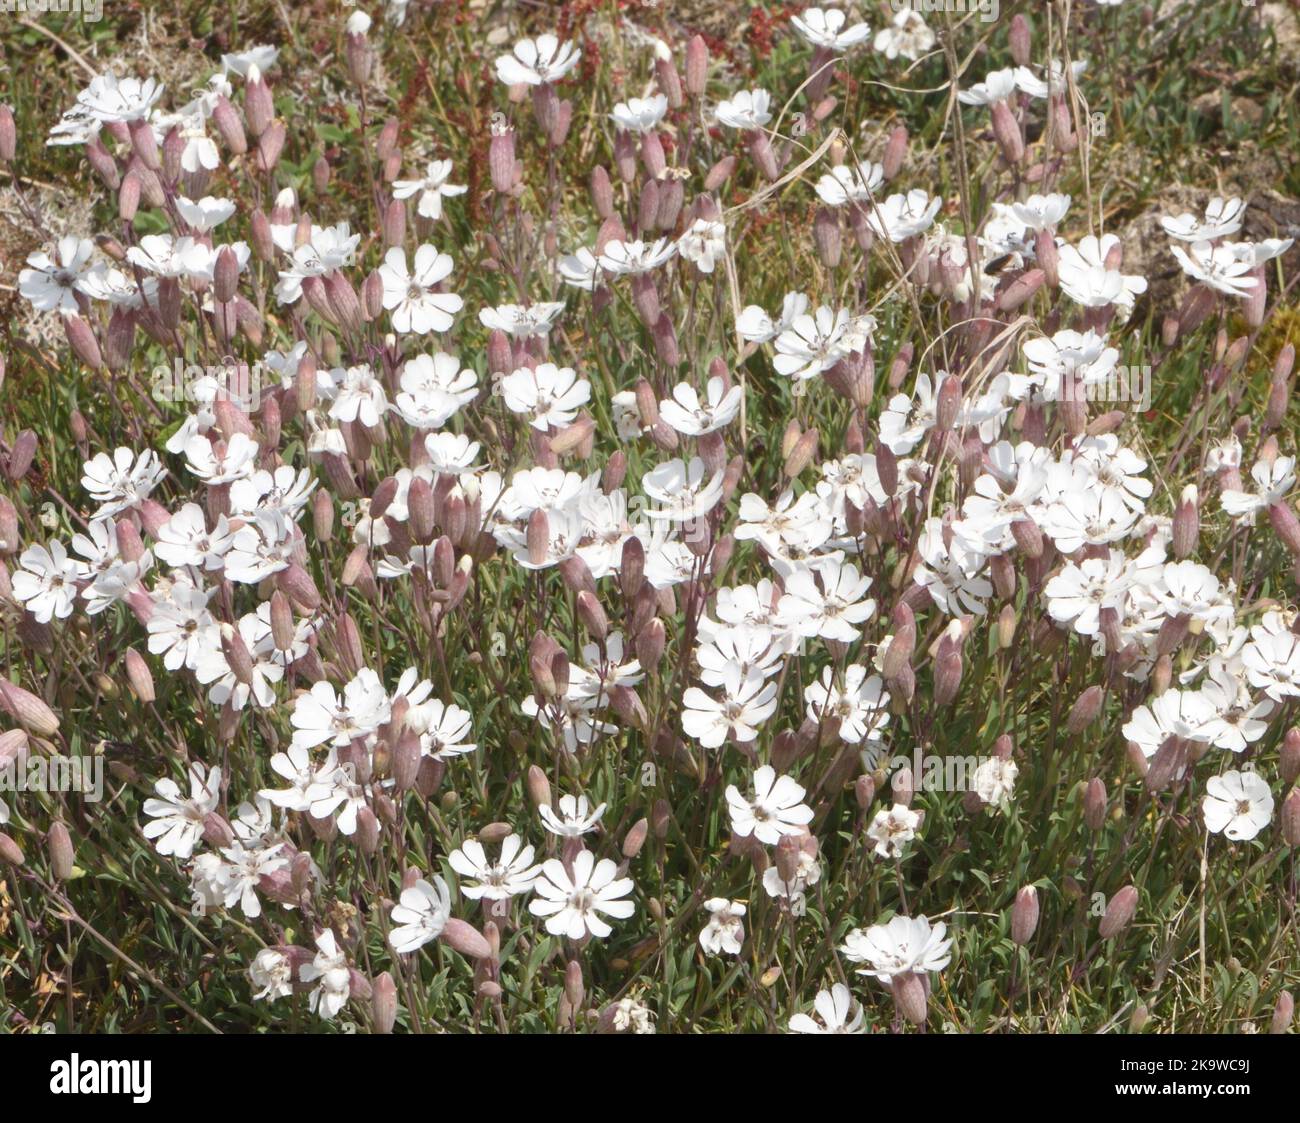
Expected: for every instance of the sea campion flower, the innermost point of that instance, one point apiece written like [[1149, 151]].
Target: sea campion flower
[[775, 809], [1237, 804], [512, 874], [410, 296], [432, 189], [836, 1011], [725, 931], [533, 62], [575, 903], [824, 27], [177, 821], [420, 915], [904, 945]]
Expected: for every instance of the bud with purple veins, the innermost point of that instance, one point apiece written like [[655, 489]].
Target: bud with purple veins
[[1024, 915], [1119, 913]]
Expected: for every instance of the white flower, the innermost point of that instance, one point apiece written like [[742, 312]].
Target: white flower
[[904, 216], [1222, 217], [756, 326], [551, 396], [997, 86], [1218, 267], [109, 99], [682, 489], [513, 872], [537, 61], [432, 188], [824, 27], [575, 819], [1055, 82], [632, 258], [581, 269], [861, 705], [692, 418], [1087, 280], [434, 388], [52, 284], [1238, 804], [520, 321], [221, 463], [177, 822], [1042, 212], [891, 829], [725, 931], [574, 904], [206, 214], [272, 972], [47, 581], [908, 36], [262, 57], [812, 344], [409, 294], [166, 256], [704, 243], [748, 109], [776, 808], [640, 114], [1175, 713], [906, 944], [748, 700], [847, 183], [827, 601], [330, 966], [321, 716], [837, 1011], [995, 780], [122, 482], [420, 915], [442, 729], [181, 628]]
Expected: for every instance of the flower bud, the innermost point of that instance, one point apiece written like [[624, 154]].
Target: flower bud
[[650, 644], [697, 66], [635, 838], [602, 192], [10, 851], [910, 997], [83, 342], [719, 173], [394, 223], [501, 160], [1020, 40], [1024, 916], [27, 710], [1283, 1012], [801, 455], [1119, 913], [229, 127], [1006, 130], [1186, 524], [466, 939], [383, 1003], [1285, 525], [1086, 709], [895, 152], [259, 110], [8, 134], [826, 236], [592, 615], [23, 452], [1290, 818], [669, 80], [1289, 756]]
